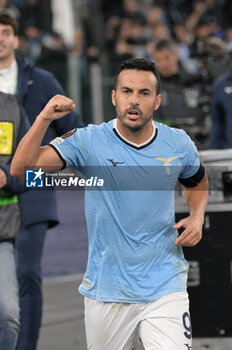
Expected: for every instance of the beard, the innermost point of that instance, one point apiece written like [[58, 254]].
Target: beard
[[133, 125]]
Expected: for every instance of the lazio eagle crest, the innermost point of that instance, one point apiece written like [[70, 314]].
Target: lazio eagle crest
[[167, 162]]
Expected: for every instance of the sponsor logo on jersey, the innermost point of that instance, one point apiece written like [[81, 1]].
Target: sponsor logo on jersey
[[115, 163]]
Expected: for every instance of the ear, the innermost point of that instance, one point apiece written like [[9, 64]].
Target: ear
[[157, 102], [113, 97], [16, 42]]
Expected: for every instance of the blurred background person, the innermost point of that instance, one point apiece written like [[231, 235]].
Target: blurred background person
[[13, 126], [228, 38], [12, 9], [183, 39], [221, 113], [180, 91], [34, 87], [157, 24]]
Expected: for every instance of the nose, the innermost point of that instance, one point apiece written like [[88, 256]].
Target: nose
[[134, 99]]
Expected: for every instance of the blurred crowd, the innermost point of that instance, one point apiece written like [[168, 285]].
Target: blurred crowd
[[191, 41], [188, 23], [84, 41]]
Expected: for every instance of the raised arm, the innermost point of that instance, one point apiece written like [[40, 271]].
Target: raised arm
[[29, 153]]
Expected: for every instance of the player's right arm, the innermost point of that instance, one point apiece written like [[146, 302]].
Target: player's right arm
[[29, 153]]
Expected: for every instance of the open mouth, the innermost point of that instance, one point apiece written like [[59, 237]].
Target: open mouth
[[133, 114]]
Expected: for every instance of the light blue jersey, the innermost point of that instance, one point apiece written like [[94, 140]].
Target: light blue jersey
[[132, 254]]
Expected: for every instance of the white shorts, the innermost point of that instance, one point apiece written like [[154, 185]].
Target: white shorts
[[163, 324]]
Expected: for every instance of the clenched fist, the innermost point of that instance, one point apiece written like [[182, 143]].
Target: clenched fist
[[57, 107]]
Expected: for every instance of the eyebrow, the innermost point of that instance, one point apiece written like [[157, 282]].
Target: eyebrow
[[5, 30], [141, 90], [146, 90]]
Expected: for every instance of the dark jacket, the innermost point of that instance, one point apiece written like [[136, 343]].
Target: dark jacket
[[9, 209], [35, 88], [221, 113], [179, 98], [15, 185]]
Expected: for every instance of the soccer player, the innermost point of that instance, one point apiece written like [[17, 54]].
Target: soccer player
[[135, 282]]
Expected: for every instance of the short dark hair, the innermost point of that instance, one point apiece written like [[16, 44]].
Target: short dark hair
[[138, 64], [6, 18], [165, 44]]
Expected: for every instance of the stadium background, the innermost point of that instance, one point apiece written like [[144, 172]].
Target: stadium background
[[82, 42]]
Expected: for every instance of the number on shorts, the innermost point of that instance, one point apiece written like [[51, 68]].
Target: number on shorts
[[187, 325]]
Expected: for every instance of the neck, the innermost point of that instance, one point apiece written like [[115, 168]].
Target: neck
[[138, 136], [6, 63]]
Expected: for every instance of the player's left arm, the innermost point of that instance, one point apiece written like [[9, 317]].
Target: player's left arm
[[196, 198]]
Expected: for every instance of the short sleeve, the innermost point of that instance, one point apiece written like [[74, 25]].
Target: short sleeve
[[72, 147], [191, 161]]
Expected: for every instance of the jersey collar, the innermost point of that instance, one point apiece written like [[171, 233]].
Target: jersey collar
[[132, 144]]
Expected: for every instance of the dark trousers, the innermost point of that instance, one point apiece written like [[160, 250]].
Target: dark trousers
[[29, 248]]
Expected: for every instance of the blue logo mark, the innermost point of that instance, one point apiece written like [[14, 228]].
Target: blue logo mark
[[35, 178]]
